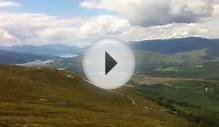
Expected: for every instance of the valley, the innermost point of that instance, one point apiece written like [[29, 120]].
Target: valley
[[171, 87]]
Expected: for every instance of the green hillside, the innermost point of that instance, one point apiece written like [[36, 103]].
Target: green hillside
[[147, 57], [197, 98], [31, 97]]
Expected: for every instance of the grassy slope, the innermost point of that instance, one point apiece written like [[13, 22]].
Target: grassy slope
[[47, 98]]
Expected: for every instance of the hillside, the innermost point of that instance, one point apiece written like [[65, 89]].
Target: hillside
[[50, 98], [7, 57], [148, 57], [172, 46]]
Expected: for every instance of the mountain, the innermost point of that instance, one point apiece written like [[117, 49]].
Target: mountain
[[37, 97], [173, 46], [45, 50], [7, 57], [212, 52]]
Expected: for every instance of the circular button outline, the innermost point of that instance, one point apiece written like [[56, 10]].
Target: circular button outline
[[127, 49]]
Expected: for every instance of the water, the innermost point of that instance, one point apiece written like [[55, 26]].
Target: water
[[37, 63], [68, 55]]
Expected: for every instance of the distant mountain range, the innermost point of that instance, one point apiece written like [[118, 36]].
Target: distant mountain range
[[7, 57], [173, 46], [184, 50], [207, 49], [45, 50], [28, 53], [168, 47]]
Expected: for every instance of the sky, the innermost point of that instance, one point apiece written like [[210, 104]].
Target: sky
[[80, 22]]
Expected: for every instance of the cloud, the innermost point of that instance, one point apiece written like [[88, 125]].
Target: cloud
[[216, 1], [216, 11], [154, 12], [5, 4], [138, 20], [91, 4], [32, 28], [39, 29]]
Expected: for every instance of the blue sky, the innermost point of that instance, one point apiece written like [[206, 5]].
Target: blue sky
[[61, 8]]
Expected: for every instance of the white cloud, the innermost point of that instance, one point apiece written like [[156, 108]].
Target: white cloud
[[155, 12], [5, 4], [103, 25], [216, 1], [216, 11], [38, 29], [91, 4]]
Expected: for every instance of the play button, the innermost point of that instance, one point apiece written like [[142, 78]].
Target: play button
[[109, 63]]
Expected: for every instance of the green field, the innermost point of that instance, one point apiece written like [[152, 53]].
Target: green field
[[147, 57], [189, 98], [205, 70]]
